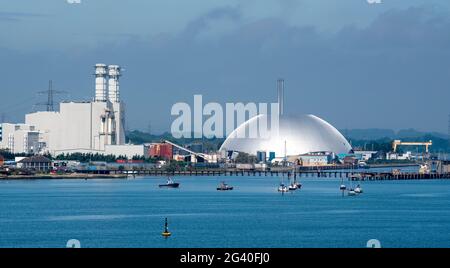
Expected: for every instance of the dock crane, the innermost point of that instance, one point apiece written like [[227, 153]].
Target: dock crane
[[397, 143]]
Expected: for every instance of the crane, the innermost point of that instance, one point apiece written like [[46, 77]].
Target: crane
[[397, 143]]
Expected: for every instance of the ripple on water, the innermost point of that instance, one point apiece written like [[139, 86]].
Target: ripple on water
[[119, 216], [423, 195]]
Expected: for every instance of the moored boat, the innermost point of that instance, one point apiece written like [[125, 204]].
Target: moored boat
[[170, 184], [283, 188], [358, 189], [295, 185], [224, 187]]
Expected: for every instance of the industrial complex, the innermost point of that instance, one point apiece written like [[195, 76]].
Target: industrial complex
[[96, 126]]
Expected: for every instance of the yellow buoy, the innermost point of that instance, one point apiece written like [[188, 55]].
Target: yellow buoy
[[166, 232]]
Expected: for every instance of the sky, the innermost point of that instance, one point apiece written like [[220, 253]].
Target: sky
[[354, 64]]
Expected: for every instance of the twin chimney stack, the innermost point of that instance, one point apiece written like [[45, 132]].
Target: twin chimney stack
[[107, 83]]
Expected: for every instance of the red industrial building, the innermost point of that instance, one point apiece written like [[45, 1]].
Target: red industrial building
[[162, 150]]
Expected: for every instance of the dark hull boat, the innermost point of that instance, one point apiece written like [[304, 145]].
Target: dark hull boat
[[169, 184], [295, 186], [224, 187]]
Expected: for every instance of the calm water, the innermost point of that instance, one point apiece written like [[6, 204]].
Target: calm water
[[130, 213]]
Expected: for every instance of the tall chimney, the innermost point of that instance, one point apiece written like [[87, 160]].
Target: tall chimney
[[113, 83], [280, 88], [101, 87]]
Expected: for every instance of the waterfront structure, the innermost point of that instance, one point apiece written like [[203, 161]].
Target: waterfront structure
[[315, 159], [96, 126], [350, 160], [365, 155], [2, 160], [162, 150], [397, 156], [397, 143], [195, 157], [89, 125], [19, 138], [296, 135], [37, 162], [261, 156], [179, 157], [302, 134], [443, 167]]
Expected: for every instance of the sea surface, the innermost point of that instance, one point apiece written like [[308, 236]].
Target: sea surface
[[131, 213]]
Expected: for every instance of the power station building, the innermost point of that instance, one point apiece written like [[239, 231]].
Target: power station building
[[19, 138], [96, 126]]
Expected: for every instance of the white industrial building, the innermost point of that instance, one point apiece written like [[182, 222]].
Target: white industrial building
[[19, 138], [96, 126]]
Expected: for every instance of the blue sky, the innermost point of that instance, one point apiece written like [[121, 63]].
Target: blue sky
[[354, 64]]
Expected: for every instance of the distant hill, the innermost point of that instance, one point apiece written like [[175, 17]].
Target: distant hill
[[381, 139], [378, 139], [412, 133], [368, 134], [378, 133]]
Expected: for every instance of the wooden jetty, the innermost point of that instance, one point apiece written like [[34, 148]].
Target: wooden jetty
[[346, 174]]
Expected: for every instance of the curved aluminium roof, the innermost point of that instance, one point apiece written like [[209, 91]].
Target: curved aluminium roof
[[302, 134]]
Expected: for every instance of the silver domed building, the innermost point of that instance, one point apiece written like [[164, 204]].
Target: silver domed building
[[295, 135], [302, 134]]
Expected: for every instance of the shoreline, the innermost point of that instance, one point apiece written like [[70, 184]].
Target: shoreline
[[205, 172], [77, 176]]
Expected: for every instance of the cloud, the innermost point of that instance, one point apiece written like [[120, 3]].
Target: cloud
[[394, 73], [415, 27], [212, 22]]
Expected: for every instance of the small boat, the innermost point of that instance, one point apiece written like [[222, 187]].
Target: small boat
[[170, 184], [295, 185], [358, 189], [283, 188], [224, 187], [166, 232], [351, 192], [343, 187]]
